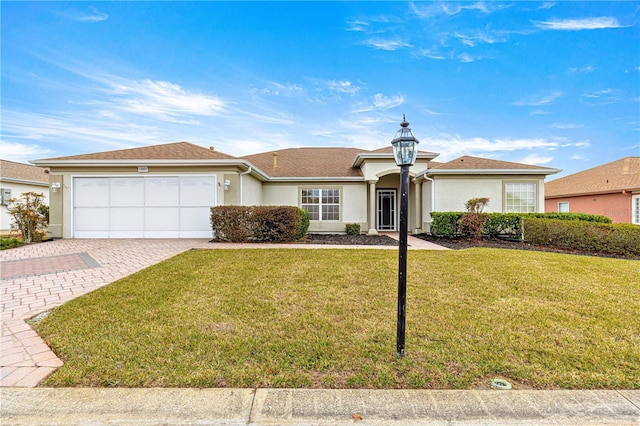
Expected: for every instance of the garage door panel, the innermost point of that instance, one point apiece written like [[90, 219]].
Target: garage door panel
[[162, 191], [197, 191], [162, 219], [92, 219], [127, 219], [125, 192], [91, 192], [194, 218], [126, 234]]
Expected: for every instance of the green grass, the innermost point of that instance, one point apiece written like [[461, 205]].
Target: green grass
[[327, 318]]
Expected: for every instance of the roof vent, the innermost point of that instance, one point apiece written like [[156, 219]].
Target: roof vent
[[211, 148], [275, 160]]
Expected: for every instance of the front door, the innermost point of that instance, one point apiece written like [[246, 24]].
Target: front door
[[386, 201]]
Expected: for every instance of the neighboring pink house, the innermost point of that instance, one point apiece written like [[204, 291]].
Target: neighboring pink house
[[612, 190]]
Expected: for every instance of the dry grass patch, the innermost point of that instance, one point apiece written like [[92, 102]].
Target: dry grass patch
[[326, 318]]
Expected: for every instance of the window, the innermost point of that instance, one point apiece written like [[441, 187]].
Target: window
[[520, 197], [563, 207], [322, 204], [635, 209]]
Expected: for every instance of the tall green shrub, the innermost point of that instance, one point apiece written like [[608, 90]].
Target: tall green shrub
[[259, 223], [621, 239]]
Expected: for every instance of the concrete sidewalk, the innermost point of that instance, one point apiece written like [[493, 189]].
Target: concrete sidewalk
[[82, 406]]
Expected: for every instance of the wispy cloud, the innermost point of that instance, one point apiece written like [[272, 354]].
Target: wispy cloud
[[451, 146], [22, 153], [598, 23], [379, 102], [547, 5], [162, 99], [543, 100], [389, 45], [357, 25], [343, 86], [536, 159], [566, 126], [90, 15], [581, 70], [430, 10], [280, 89]]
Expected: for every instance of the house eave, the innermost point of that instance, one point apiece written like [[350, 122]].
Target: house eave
[[317, 179], [630, 191], [243, 164], [24, 181], [361, 158], [544, 172]]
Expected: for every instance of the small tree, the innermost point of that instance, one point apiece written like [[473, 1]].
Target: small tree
[[31, 216], [471, 224]]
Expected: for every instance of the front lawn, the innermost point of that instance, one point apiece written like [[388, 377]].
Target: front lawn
[[327, 318]]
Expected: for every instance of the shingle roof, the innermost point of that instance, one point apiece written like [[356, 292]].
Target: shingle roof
[[23, 172], [169, 151], [308, 162], [623, 174], [467, 162]]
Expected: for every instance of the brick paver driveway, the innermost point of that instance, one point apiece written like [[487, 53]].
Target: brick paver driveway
[[39, 277]]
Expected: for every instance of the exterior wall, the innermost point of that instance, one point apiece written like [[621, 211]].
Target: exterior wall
[[61, 202], [251, 191], [616, 206], [372, 169], [353, 202], [452, 192], [17, 189]]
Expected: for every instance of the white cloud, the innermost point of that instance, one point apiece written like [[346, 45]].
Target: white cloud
[[342, 86], [22, 153], [92, 15], [566, 126], [542, 100], [357, 25], [547, 5], [379, 102], [582, 70], [388, 45], [466, 58], [162, 99], [598, 23], [536, 160]]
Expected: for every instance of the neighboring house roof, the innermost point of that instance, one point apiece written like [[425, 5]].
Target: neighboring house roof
[[308, 162], [23, 173], [169, 151], [617, 176], [467, 164]]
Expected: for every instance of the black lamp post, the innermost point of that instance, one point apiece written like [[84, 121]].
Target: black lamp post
[[405, 152]]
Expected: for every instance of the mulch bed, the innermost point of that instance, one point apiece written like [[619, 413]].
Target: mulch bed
[[348, 240], [455, 244]]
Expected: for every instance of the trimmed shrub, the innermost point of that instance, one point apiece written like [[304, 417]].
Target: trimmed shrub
[[352, 228], [620, 239], [259, 223], [445, 224], [499, 225], [471, 225]]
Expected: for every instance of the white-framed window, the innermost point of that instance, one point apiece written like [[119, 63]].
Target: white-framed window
[[563, 207], [520, 197], [321, 203], [635, 209]]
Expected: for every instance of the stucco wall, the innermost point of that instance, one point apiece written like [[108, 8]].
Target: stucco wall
[[17, 189], [353, 202], [452, 192], [616, 206]]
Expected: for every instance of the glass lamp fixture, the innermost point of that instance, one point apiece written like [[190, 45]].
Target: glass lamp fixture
[[405, 145]]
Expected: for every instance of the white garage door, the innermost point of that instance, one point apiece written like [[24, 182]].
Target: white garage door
[[143, 207]]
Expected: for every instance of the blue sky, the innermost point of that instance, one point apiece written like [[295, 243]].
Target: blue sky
[[548, 83]]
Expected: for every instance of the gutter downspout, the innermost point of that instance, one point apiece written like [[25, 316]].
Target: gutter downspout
[[241, 189], [433, 198]]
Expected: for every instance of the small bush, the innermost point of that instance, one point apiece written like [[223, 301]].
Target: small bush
[[9, 243], [352, 228], [471, 225], [445, 224], [31, 216], [620, 239], [259, 223]]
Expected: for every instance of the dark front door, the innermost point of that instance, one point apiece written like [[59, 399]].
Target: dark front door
[[386, 200]]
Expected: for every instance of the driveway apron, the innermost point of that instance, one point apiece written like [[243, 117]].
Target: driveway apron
[[38, 277]]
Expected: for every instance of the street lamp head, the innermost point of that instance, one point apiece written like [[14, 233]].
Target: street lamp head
[[405, 145]]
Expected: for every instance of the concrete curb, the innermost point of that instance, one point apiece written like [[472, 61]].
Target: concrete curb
[[75, 406]]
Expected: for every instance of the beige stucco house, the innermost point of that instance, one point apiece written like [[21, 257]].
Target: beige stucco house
[[16, 179], [165, 191]]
